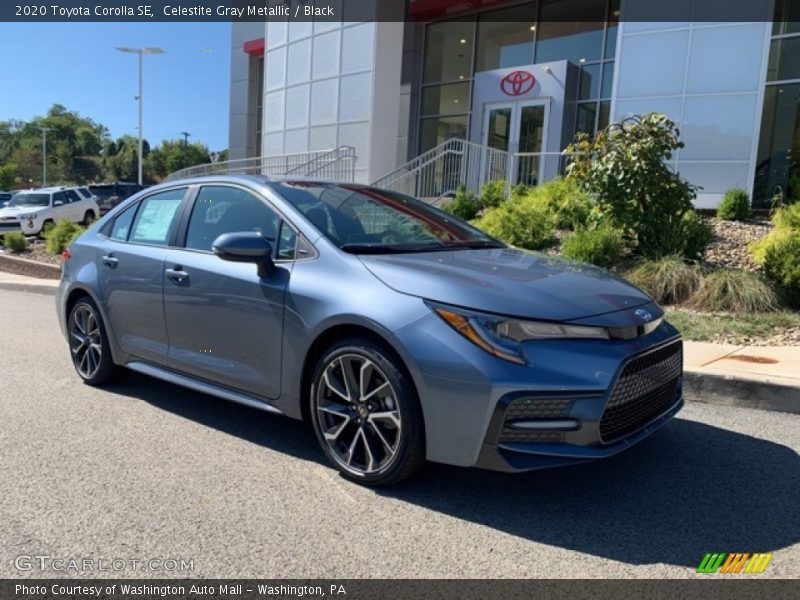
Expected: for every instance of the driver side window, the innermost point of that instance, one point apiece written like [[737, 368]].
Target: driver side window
[[222, 209]]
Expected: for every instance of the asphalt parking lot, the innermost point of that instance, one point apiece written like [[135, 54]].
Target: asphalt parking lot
[[146, 470]]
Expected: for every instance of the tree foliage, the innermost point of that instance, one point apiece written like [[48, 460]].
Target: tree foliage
[[80, 150], [625, 170]]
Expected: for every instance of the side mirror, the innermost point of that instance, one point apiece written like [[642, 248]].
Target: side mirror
[[58, 203], [248, 247]]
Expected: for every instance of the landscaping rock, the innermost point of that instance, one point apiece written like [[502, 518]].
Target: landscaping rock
[[729, 242]]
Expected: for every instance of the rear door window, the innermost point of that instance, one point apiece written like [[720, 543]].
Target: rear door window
[[72, 196], [156, 217]]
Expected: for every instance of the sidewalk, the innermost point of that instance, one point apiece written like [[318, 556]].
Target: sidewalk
[[765, 377], [23, 283]]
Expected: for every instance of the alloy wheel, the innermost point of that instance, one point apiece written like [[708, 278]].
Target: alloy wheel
[[85, 341], [358, 414]]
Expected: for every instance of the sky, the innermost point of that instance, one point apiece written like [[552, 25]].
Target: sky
[[75, 64]]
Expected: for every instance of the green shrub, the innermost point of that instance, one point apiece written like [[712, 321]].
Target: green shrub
[[493, 193], [58, 238], [669, 280], [464, 206], [735, 205], [624, 168], [520, 222], [567, 206], [520, 190], [787, 218], [602, 246], [736, 291], [15, 241], [779, 255]]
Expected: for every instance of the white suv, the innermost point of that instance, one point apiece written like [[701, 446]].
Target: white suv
[[34, 210]]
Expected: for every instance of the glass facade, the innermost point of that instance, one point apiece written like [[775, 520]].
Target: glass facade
[[523, 34], [778, 166]]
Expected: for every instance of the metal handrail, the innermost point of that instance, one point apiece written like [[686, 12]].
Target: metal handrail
[[338, 163]]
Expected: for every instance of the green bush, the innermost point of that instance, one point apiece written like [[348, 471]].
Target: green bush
[[736, 291], [58, 238], [464, 206], [779, 255], [602, 246], [567, 206], [735, 205], [787, 218], [520, 190], [15, 241], [624, 168], [669, 280], [520, 222], [493, 193]]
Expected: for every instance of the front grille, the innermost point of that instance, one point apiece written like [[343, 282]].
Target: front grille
[[646, 388], [532, 409]]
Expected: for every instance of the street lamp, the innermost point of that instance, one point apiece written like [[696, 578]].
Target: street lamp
[[141, 52], [44, 131]]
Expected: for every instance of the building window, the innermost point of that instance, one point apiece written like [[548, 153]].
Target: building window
[[505, 38], [571, 30], [436, 130], [448, 51], [778, 166]]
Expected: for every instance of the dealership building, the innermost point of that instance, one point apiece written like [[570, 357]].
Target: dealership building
[[517, 80]]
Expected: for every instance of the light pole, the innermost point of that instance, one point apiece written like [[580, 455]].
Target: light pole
[[185, 135], [141, 52], [44, 131]]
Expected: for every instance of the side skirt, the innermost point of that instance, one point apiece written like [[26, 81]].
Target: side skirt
[[201, 386]]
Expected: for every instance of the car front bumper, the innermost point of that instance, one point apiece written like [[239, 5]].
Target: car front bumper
[[577, 400]]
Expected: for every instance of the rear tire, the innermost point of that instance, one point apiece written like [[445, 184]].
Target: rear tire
[[89, 347], [366, 414], [88, 218]]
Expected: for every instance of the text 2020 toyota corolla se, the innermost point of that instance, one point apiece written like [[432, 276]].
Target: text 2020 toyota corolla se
[[401, 333]]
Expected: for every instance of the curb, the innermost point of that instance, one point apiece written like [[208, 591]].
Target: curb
[[32, 288], [29, 268], [727, 390]]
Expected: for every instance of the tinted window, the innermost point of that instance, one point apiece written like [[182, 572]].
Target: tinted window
[[72, 196], [220, 209], [84, 192], [59, 197], [363, 219], [287, 242], [28, 199], [155, 217], [102, 191], [122, 224]]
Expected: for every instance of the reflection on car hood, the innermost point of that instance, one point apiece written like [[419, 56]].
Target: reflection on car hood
[[507, 281]]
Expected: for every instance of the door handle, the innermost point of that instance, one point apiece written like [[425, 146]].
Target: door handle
[[177, 275], [110, 261]]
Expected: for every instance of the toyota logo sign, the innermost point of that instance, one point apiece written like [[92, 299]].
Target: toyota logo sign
[[517, 83]]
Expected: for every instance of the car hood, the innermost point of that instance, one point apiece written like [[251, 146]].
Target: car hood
[[19, 211], [507, 281]]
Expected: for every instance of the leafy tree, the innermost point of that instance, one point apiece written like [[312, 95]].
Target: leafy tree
[[173, 155], [8, 176], [624, 169]]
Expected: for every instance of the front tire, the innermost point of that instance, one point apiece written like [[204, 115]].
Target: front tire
[[89, 347], [366, 414]]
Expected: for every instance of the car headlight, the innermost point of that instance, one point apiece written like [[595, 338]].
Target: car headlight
[[29, 217], [503, 337]]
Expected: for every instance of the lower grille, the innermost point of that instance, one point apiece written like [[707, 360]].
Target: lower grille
[[646, 388], [532, 409]]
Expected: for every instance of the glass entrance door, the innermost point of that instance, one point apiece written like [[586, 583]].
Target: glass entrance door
[[519, 129]]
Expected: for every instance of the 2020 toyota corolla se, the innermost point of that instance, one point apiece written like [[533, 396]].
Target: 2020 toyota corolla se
[[401, 333]]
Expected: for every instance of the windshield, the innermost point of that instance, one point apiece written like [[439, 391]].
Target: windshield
[[361, 220], [25, 199]]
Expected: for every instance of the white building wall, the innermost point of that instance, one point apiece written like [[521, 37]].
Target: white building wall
[[334, 84], [241, 128], [709, 79]]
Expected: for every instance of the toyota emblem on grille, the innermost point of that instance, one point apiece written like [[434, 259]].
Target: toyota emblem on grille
[[517, 83], [644, 315]]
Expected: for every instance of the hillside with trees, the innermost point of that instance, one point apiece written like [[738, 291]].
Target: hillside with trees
[[80, 150]]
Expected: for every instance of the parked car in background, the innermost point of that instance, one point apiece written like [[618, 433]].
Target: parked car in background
[[110, 194], [33, 211], [400, 332]]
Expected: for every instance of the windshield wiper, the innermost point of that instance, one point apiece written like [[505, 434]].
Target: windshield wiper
[[380, 248]]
